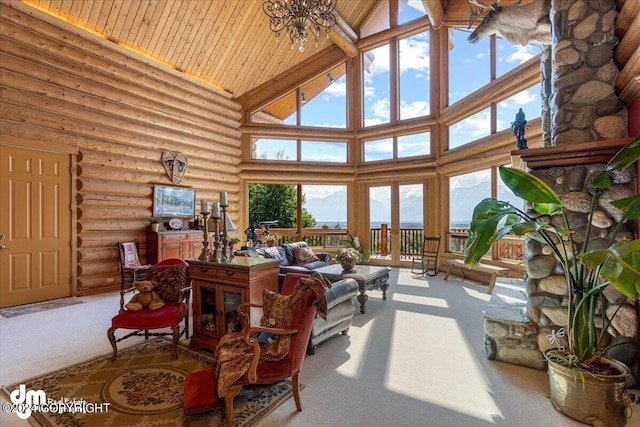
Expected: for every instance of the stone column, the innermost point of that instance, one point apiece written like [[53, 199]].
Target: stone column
[[584, 106], [545, 93]]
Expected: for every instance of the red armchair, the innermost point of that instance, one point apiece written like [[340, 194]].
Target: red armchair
[[201, 388], [172, 277]]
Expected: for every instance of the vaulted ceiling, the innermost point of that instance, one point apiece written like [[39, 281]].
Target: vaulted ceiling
[[228, 43]]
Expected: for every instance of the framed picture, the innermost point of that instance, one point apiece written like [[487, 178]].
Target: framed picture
[[171, 201]]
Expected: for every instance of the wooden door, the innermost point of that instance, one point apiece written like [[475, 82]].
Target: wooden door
[[35, 225]]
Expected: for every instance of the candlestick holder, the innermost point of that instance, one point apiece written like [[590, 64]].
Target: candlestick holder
[[225, 237], [206, 252], [216, 233]]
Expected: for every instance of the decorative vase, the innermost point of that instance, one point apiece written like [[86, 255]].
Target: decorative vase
[[347, 266], [595, 399], [271, 243], [155, 227]]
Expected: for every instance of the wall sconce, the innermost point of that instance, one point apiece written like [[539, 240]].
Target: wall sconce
[[302, 98], [331, 79]]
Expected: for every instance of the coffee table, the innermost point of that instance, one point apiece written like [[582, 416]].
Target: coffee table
[[367, 276]]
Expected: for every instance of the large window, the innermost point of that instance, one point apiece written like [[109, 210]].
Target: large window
[[465, 192], [299, 150], [377, 89], [466, 60], [320, 207], [417, 144], [413, 59], [473, 127], [322, 102]]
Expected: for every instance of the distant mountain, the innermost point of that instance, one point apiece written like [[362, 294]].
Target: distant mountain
[[327, 210]]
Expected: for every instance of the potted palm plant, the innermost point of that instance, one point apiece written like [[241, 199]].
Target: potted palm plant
[[587, 269]]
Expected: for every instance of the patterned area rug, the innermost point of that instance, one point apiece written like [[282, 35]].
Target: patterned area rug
[[19, 310], [143, 386]]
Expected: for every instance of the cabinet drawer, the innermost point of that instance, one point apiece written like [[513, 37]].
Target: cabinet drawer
[[231, 274], [174, 236]]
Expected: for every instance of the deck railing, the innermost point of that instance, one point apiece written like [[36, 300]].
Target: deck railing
[[508, 248]]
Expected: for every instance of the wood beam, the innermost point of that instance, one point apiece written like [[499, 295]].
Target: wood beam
[[344, 37], [435, 11]]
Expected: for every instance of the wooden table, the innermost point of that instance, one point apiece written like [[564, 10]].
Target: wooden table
[[367, 276]]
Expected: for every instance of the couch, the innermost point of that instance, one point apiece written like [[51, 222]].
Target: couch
[[296, 257], [340, 310]]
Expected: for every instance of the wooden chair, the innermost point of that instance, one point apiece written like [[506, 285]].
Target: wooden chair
[[428, 259], [174, 286], [200, 389], [130, 268]]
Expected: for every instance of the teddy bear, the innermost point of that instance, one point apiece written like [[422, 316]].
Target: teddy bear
[[146, 297]]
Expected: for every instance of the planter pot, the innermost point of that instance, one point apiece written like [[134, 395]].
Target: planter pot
[[347, 266], [271, 243], [155, 227], [594, 399]]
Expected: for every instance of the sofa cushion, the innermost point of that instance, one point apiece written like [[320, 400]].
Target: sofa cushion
[[276, 252], [304, 255], [315, 264], [288, 249]]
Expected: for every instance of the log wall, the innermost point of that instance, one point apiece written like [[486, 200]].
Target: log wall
[[119, 111]]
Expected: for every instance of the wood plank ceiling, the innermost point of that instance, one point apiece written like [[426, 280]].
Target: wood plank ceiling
[[225, 43], [229, 45]]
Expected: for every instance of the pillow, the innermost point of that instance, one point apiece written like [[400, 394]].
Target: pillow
[[276, 253], [170, 279], [304, 255], [275, 315]]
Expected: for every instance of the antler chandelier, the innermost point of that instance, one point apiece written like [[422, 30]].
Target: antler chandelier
[[299, 18]]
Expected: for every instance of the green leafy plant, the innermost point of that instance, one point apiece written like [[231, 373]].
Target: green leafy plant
[[233, 240], [154, 221], [587, 269], [272, 237]]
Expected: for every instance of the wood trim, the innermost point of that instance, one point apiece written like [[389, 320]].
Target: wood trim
[[55, 147], [573, 154]]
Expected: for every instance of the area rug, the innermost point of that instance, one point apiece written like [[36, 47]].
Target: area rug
[[143, 386], [36, 307]]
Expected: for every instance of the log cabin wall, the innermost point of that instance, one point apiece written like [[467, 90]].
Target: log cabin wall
[[120, 112]]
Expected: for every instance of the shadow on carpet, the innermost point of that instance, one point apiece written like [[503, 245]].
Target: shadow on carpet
[[143, 386], [36, 307]]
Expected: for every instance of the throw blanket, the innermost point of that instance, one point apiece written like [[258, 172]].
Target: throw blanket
[[234, 355]]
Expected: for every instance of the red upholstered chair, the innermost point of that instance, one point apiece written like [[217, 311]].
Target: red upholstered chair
[[173, 286], [200, 389]]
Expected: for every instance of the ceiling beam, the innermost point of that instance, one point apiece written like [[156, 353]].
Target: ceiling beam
[[344, 37], [436, 13]]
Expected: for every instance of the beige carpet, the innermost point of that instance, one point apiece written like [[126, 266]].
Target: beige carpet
[[416, 359], [142, 386]]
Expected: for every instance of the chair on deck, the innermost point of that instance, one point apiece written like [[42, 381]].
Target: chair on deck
[[201, 387], [130, 268], [173, 287], [428, 259]]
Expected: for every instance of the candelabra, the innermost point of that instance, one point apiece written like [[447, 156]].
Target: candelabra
[[215, 217], [225, 237], [206, 252]]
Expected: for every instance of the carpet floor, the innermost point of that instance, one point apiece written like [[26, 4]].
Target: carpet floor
[[143, 386]]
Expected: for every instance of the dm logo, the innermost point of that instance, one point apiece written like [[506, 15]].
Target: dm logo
[[25, 400]]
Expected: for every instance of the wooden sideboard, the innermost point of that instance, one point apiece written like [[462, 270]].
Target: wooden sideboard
[[217, 290], [180, 244]]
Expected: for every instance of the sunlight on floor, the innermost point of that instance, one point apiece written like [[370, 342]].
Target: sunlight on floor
[[413, 299], [353, 367], [419, 373]]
